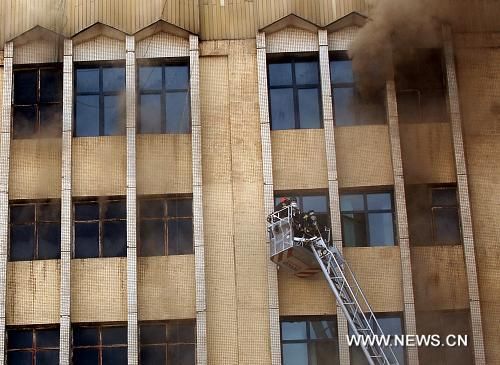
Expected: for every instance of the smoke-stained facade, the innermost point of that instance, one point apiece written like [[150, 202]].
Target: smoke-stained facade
[[143, 144]]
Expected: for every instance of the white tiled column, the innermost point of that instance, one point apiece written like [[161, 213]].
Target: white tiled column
[[130, 88], [333, 185], [265, 130], [4, 186], [463, 199], [199, 242]]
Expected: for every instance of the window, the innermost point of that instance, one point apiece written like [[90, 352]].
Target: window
[[37, 109], [164, 99], [35, 231], [167, 343], [100, 228], [165, 226], [317, 203], [99, 345], [351, 105], [420, 86], [294, 93], [100, 101], [367, 219], [309, 341], [32, 346], [445, 221]]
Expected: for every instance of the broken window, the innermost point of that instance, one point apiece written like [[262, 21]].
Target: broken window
[[294, 93], [351, 105], [420, 87], [35, 231], [309, 341], [173, 340], [164, 104], [165, 226], [100, 228], [367, 219], [99, 101], [99, 345], [27, 346], [37, 102]]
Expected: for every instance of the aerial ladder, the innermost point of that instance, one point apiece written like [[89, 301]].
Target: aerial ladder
[[300, 245]]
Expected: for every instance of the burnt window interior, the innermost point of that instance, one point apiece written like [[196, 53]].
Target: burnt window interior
[[164, 103], [99, 345], [27, 346], [173, 340], [294, 93], [35, 231], [100, 228], [308, 201], [37, 102], [99, 101], [165, 226], [351, 105], [421, 87]]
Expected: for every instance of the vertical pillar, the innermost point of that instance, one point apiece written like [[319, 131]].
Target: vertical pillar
[[463, 198], [132, 327], [401, 219], [4, 186], [66, 209], [267, 171], [199, 242], [333, 185]]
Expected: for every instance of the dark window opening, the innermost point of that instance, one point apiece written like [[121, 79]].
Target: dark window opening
[[308, 201], [99, 101], [164, 103], [165, 226], [37, 106], [100, 228], [294, 93], [35, 231], [99, 345], [33, 346]]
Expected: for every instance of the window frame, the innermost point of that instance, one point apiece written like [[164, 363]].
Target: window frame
[[434, 208], [300, 194], [293, 59], [34, 349]]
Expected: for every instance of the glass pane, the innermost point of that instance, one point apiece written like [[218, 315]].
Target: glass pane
[[47, 337], [446, 226], [180, 208], [153, 355], [85, 336], [114, 209], [180, 237], [49, 241], [352, 202], [24, 122], [113, 79], [87, 80], [379, 201], [51, 85], [434, 108], [322, 329], [354, 229], [177, 112], [341, 72], [409, 106], [50, 120], [381, 227], [344, 106], [19, 339], [86, 240], [150, 78], [25, 86], [86, 211], [316, 203], [181, 331], [152, 238], [309, 110], [85, 357], [306, 73], [150, 111], [181, 354], [393, 326], [47, 357], [22, 242], [444, 197], [22, 213], [280, 74], [371, 108], [49, 212], [176, 77], [152, 208], [114, 356], [153, 333], [114, 239], [294, 330], [87, 115], [295, 354], [19, 357], [282, 109], [114, 335], [324, 353], [114, 115]]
